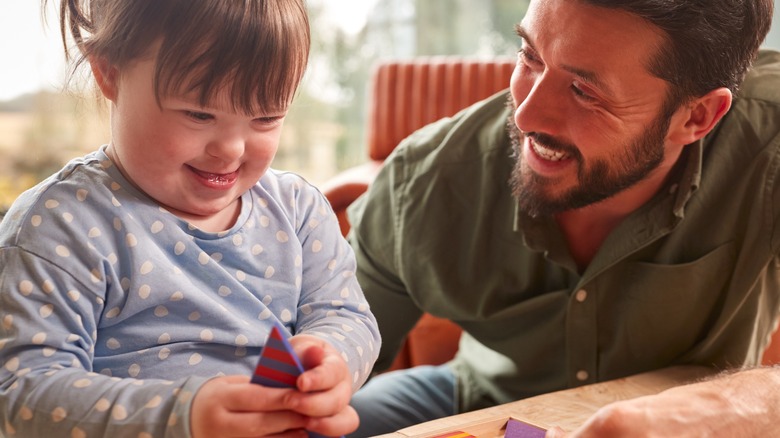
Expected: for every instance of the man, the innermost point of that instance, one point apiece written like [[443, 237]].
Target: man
[[639, 229]]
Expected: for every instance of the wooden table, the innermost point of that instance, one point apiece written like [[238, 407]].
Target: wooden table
[[567, 409]]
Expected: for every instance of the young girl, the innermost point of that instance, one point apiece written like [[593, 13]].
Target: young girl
[[139, 283]]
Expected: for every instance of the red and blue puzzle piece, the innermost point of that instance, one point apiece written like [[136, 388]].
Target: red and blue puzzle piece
[[278, 366]]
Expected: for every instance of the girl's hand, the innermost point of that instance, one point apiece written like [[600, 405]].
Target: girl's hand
[[232, 406], [325, 387]]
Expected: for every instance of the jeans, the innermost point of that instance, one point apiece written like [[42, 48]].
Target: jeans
[[402, 398]]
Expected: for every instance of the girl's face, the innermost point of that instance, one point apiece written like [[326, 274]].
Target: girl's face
[[196, 162]]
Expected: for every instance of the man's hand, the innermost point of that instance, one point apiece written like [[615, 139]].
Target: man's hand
[[742, 404]]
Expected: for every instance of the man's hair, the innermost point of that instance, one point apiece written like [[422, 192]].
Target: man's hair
[[709, 43], [259, 48]]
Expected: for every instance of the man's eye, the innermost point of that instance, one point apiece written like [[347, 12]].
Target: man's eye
[[201, 117], [527, 57], [581, 94]]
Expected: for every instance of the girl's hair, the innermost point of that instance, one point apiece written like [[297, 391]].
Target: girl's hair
[[258, 48]]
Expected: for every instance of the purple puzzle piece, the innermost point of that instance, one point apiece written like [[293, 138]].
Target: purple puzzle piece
[[518, 429]]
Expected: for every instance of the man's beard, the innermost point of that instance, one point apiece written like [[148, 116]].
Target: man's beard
[[596, 182]]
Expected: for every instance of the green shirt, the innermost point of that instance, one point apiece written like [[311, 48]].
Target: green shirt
[[689, 278]]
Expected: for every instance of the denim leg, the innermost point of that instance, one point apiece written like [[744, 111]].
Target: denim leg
[[402, 398]]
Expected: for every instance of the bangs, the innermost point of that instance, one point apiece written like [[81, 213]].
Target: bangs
[[256, 51]]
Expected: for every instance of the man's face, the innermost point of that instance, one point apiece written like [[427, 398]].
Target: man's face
[[587, 118]]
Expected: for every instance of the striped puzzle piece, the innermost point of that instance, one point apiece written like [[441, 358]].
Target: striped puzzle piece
[[278, 366]]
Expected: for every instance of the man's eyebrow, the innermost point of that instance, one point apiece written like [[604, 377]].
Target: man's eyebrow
[[587, 76]]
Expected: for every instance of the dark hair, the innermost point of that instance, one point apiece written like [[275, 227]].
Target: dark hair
[[260, 48], [709, 43]]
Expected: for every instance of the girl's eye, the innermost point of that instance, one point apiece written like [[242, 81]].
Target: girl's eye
[[269, 120], [201, 117]]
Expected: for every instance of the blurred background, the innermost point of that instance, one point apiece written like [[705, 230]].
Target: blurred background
[[44, 122]]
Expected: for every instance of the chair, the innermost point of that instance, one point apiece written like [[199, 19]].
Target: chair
[[405, 96]]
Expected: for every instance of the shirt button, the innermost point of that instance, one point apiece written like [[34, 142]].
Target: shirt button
[[581, 295], [582, 375]]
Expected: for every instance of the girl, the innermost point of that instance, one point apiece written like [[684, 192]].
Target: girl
[[139, 283]]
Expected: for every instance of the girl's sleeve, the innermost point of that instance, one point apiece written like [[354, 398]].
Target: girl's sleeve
[[332, 304], [47, 385]]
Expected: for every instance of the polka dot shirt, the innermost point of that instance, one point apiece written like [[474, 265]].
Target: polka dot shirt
[[114, 311]]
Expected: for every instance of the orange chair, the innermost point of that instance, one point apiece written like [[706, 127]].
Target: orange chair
[[407, 95]]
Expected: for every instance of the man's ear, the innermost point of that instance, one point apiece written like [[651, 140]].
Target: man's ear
[[106, 76], [696, 119]]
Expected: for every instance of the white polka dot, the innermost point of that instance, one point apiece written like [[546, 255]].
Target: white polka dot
[[164, 338], [347, 328], [39, 338], [102, 405], [224, 291], [95, 276], [113, 344], [363, 307], [241, 275], [115, 202], [119, 413], [145, 435], [164, 353], [68, 217], [134, 370], [154, 403], [157, 227], [206, 335], [131, 240], [172, 420], [344, 293], [265, 221], [48, 286], [242, 340], [177, 296], [82, 383], [51, 203], [46, 311], [125, 283], [26, 287], [12, 364], [267, 300], [257, 249], [298, 261], [337, 303], [179, 248], [355, 377], [338, 336], [332, 265], [286, 316], [306, 309], [146, 268], [8, 321], [58, 414], [36, 221], [203, 258], [161, 311], [314, 223], [269, 272], [81, 195], [94, 232], [77, 433], [26, 413], [195, 359], [62, 251], [73, 337], [145, 291], [282, 237], [117, 224], [113, 313], [265, 314], [112, 258], [217, 257], [194, 316], [360, 351], [115, 186], [238, 240], [316, 246]]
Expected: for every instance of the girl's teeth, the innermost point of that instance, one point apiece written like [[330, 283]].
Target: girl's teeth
[[548, 154]]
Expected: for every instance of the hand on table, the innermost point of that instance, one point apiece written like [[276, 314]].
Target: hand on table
[[232, 406], [737, 405]]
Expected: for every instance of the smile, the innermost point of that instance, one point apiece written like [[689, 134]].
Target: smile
[[548, 154], [217, 179]]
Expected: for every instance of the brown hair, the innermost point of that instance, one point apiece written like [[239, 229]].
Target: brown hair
[[259, 48], [709, 43]]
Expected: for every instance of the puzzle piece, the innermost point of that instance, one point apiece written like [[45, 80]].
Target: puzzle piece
[[518, 429], [457, 434], [279, 366]]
